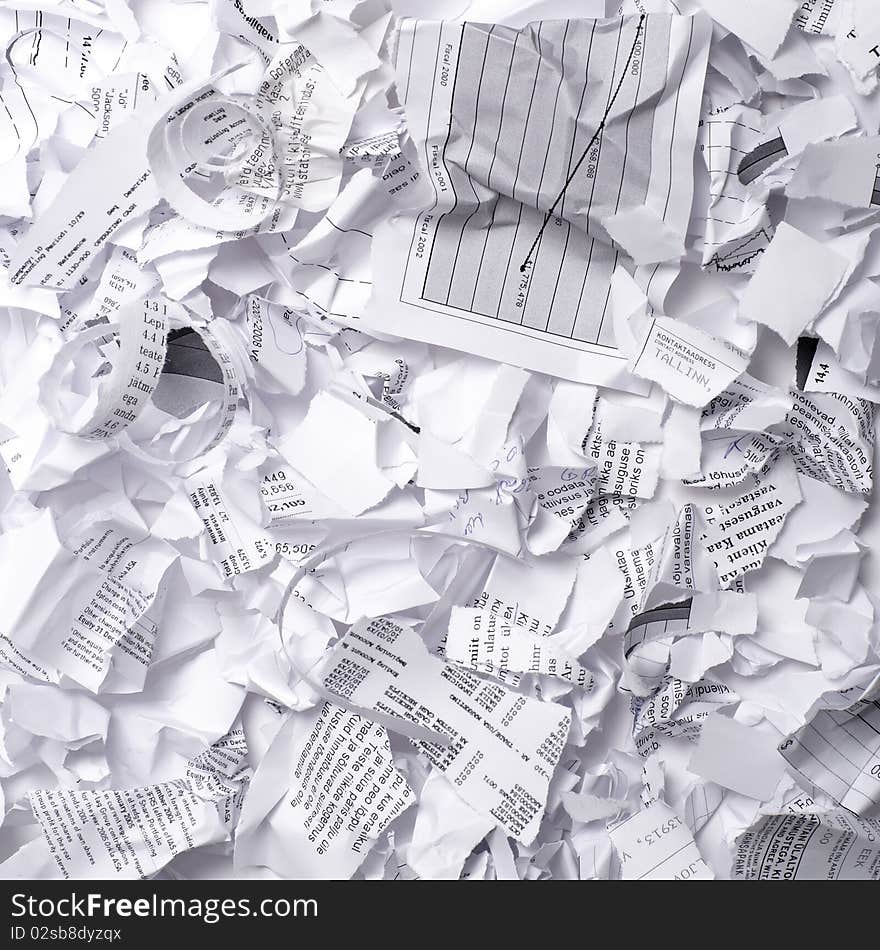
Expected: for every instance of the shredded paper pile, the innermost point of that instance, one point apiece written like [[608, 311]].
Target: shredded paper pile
[[438, 439]]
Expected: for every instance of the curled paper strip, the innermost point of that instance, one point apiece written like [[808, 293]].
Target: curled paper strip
[[212, 136], [122, 395]]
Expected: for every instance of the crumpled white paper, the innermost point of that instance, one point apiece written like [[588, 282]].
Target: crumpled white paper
[[439, 448]]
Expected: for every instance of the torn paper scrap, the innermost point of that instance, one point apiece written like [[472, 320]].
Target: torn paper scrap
[[844, 171], [839, 751], [739, 757], [676, 709], [352, 476], [857, 42], [82, 608], [656, 845], [795, 279], [133, 833], [691, 366], [323, 793], [835, 846], [497, 644], [497, 747], [763, 27], [741, 524]]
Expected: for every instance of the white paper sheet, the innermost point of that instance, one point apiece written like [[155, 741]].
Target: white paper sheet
[[545, 309]]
